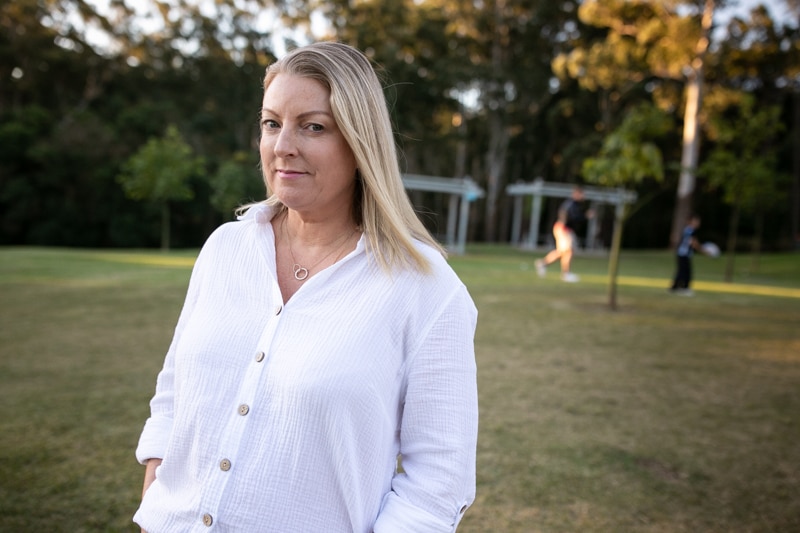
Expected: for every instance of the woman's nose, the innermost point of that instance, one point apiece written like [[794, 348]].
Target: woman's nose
[[285, 143]]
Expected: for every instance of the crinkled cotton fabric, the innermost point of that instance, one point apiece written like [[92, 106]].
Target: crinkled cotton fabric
[[290, 418]]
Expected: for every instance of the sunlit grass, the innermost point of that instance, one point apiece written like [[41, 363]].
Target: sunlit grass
[[670, 414]]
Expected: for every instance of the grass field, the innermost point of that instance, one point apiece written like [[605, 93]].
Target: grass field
[[671, 414]]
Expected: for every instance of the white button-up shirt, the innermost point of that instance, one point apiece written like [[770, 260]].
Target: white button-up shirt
[[290, 418]]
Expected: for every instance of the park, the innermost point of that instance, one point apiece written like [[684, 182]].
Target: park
[[129, 131], [669, 414]]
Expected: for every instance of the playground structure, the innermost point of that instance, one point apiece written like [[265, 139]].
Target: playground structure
[[462, 191], [598, 197]]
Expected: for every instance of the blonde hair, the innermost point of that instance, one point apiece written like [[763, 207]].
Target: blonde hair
[[381, 205]]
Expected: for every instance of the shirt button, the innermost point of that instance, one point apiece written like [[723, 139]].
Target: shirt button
[[260, 357], [278, 309], [225, 465], [244, 409], [208, 520]]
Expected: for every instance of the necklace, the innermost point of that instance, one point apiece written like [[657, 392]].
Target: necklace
[[300, 272]]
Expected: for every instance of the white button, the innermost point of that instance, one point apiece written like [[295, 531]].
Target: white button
[[225, 465], [259, 357], [208, 520], [278, 309], [244, 409]]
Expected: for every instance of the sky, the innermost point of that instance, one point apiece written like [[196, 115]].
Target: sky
[[778, 9]]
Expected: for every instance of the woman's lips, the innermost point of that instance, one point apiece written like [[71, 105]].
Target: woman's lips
[[289, 174]]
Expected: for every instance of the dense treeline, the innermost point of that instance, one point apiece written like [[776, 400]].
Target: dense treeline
[[503, 91]]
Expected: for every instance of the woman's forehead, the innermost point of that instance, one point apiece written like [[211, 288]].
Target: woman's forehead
[[296, 91]]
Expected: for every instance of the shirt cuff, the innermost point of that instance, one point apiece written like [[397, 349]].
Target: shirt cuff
[[153, 440], [399, 516]]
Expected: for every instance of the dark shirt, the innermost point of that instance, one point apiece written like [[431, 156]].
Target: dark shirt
[[685, 248], [576, 213]]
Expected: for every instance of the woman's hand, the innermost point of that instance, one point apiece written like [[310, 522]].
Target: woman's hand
[[150, 474]]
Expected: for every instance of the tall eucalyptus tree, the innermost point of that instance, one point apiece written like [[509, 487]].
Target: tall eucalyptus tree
[[657, 44]]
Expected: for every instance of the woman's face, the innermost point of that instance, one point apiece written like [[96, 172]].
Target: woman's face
[[306, 161]]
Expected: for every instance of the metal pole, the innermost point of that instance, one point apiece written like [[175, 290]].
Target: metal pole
[[452, 219], [536, 213], [591, 228], [516, 221], [462, 225]]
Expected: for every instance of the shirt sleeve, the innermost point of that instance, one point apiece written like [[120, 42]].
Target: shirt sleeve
[[439, 427], [158, 427]]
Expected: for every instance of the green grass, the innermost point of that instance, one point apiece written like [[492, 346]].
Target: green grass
[[671, 414]]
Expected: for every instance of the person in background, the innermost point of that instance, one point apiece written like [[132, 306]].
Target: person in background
[[686, 248], [571, 214], [322, 372]]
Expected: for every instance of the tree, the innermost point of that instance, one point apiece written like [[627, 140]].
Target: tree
[[656, 43], [471, 89], [58, 184], [695, 81], [627, 158], [159, 173], [235, 183], [743, 165], [509, 45], [762, 57]]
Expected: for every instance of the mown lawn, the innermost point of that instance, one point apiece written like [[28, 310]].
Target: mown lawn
[[672, 414]]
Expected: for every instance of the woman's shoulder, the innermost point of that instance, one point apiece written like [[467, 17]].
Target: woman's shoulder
[[440, 272], [240, 231], [439, 288], [259, 213], [254, 215]]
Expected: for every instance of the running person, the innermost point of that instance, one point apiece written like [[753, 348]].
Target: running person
[[571, 214]]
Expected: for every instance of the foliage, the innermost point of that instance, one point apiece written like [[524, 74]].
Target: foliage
[[642, 42], [628, 157], [743, 160], [742, 163], [160, 170], [502, 90], [653, 42], [628, 154], [234, 185], [159, 173]]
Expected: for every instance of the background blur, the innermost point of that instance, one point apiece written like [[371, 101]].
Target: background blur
[[133, 123]]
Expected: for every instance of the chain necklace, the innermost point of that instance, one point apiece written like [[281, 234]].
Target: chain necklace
[[300, 272]]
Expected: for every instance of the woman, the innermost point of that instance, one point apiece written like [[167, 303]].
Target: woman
[[323, 337]]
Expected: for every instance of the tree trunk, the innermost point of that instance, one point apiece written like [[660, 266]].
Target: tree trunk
[[613, 259], [165, 226], [689, 157], [498, 132], [795, 201], [757, 238], [691, 129], [495, 167], [733, 232]]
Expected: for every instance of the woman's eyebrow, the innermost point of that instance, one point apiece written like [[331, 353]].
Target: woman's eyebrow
[[304, 114]]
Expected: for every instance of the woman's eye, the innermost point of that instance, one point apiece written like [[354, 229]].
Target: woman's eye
[[269, 124], [315, 127]]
